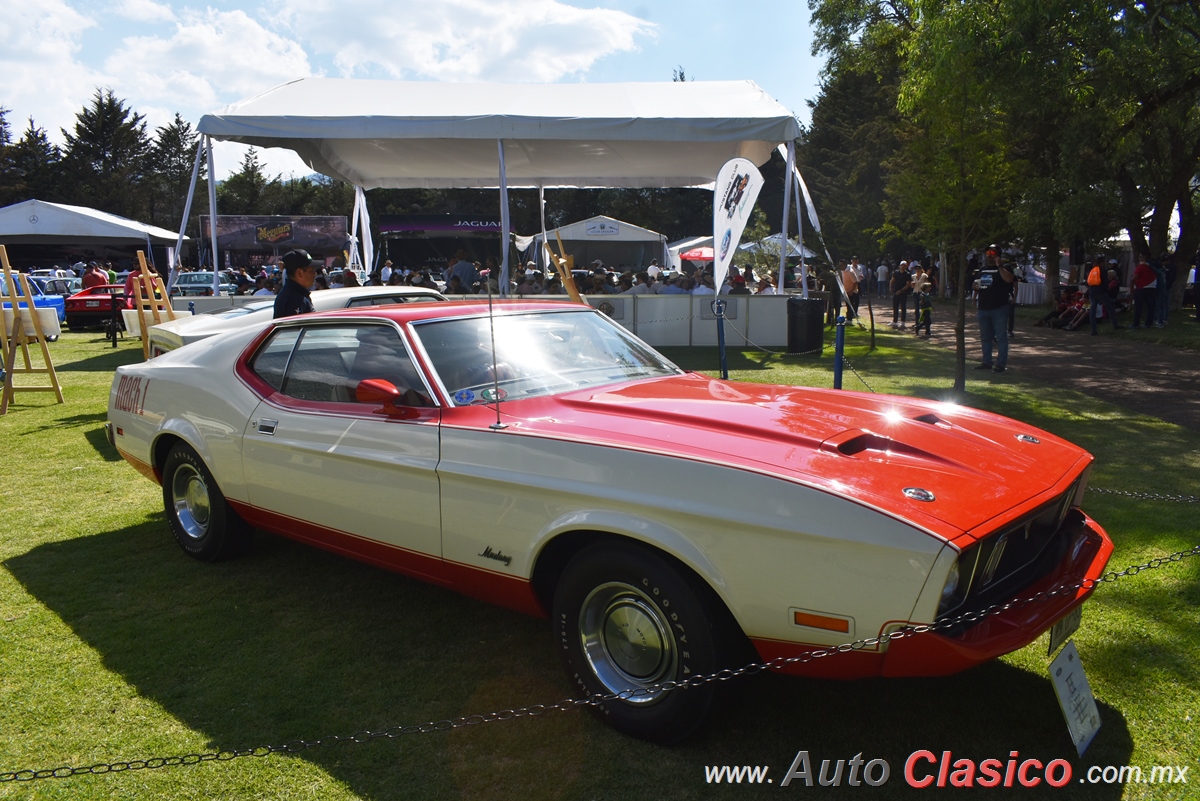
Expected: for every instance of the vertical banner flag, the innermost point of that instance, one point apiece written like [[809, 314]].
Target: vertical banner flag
[[734, 194]]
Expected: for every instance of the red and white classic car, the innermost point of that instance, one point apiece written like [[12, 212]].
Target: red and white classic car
[[666, 522]]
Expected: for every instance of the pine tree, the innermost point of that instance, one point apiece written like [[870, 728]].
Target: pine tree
[[169, 173], [35, 161], [105, 157]]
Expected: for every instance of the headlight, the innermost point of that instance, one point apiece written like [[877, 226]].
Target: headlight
[[950, 591]]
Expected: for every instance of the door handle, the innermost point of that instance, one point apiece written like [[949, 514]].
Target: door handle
[[267, 426]]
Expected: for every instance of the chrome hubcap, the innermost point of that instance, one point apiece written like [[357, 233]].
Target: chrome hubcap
[[627, 640], [191, 501]]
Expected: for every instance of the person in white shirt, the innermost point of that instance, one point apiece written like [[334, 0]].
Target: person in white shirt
[[765, 287], [704, 284], [881, 280], [385, 274], [641, 285]]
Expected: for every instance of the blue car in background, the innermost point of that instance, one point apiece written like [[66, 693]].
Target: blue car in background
[[42, 300]]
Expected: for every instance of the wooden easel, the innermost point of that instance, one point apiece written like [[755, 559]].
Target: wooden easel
[[562, 265], [149, 295], [15, 292]]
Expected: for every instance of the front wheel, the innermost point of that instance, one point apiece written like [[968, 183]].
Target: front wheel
[[629, 620], [204, 524]]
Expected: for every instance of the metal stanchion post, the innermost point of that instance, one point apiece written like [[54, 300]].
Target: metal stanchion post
[[114, 324], [192, 307], [838, 349]]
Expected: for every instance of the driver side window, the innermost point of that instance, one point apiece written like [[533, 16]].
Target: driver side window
[[325, 363]]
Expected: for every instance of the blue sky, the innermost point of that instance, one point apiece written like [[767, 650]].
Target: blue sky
[[191, 58]]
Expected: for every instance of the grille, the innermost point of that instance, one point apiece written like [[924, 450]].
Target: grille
[[1002, 564]]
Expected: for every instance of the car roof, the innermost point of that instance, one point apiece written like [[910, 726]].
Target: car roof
[[421, 312]]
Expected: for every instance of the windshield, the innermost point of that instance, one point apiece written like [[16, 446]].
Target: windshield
[[538, 353], [244, 309]]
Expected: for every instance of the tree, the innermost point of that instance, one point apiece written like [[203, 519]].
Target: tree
[[104, 157], [844, 156], [169, 174], [35, 161], [244, 191]]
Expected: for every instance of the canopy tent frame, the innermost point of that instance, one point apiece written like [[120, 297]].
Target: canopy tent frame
[[395, 134]]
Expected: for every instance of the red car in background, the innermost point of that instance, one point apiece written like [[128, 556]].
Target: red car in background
[[93, 307]]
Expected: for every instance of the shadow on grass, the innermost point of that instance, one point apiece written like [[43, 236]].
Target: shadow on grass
[[290, 642], [106, 360]]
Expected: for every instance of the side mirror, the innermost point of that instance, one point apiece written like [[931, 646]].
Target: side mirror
[[377, 390]]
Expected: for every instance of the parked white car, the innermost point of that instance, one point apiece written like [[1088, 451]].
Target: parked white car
[[668, 524], [193, 328]]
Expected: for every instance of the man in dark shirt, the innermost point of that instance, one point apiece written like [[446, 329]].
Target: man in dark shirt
[[301, 273], [994, 285]]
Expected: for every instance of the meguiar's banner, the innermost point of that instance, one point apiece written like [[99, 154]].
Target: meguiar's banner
[[736, 189], [318, 235]]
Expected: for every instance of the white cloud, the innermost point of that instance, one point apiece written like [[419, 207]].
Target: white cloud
[[464, 40], [40, 74], [211, 58], [144, 11]]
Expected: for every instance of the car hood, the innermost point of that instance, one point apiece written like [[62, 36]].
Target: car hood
[[977, 466]]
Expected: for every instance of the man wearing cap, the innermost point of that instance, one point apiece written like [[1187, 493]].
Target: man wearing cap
[[94, 276], [301, 273], [385, 274]]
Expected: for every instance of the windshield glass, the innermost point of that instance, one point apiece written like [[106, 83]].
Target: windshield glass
[[244, 309], [538, 353]]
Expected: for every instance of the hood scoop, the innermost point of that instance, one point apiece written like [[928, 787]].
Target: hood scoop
[[862, 444]]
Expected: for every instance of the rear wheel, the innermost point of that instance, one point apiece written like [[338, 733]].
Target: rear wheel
[[204, 524], [629, 620]]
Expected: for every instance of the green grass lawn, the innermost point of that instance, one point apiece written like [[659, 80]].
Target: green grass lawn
[[115, 646]]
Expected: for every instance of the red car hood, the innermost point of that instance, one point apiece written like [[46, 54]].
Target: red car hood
[[866, 447]]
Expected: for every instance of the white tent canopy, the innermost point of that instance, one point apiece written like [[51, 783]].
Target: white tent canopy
[[684, 245], [614, 242], [36, 221], [772, 244], [396, 134]]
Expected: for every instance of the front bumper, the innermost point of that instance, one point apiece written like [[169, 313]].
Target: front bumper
[[937, 654]]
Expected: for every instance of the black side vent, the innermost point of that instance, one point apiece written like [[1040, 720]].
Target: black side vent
[[875, 442]]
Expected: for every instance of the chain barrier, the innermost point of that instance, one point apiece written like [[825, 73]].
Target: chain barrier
[[850, 367], [1145, 496], [569, 704]]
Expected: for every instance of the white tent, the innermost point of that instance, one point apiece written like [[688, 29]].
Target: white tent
[[396, 134], [614, 242], [684, 245], [36, 222], [772, 245]]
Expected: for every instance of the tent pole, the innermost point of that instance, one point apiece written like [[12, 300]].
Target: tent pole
[[787, 202], [212, 215], [544, 250], [504, 223], [354, 230], [367, 244], [800, 237], [187, 211]]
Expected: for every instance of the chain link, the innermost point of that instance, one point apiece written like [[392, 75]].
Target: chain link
[[850, 367], [569, 704], [1146, 496]]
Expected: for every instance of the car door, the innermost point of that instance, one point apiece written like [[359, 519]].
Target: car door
[[342, 474]]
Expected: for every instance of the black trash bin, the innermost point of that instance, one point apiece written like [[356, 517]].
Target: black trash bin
[[806, 324]]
